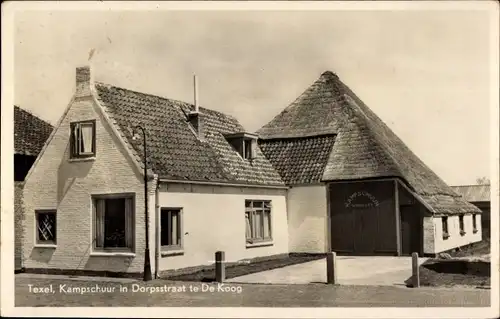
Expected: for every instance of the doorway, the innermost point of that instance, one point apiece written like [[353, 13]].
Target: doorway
[[410, 230]]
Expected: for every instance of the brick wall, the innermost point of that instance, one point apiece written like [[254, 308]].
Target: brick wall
[[59, 183], [18, 223]]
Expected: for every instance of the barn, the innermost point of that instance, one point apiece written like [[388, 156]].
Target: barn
[[355, 187]]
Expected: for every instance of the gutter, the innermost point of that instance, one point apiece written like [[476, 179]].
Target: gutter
[[222, 184], [157, 229]]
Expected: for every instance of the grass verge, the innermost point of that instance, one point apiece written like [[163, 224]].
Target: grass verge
[[242, 269]]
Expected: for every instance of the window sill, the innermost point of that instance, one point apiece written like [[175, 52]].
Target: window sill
[[446, 236], [462, 233], [83, 159], [168, 253], [111, 254], [259, 244], [51, 246]]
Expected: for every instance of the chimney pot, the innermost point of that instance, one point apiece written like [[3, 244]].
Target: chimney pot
[[196, 102]]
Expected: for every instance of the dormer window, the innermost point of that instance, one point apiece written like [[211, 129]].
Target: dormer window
[[244, 143], [82, 139]]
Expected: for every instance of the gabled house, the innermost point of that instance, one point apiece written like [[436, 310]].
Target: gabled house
[[479, 196], [210, 187], [30, 134], [355, 187]]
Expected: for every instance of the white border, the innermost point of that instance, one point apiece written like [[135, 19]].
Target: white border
[[7, 194]]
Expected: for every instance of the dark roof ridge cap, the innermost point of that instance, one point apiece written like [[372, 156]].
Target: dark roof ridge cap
[[469, 185], [283, 138]]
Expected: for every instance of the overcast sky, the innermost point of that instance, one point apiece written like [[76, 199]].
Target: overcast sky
[[426, 74]]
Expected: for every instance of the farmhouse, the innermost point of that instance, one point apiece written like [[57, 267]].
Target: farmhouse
[[355, 187], [325, 174], [30, 134], [209, 187]]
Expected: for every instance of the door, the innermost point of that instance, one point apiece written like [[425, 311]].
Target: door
[[365, 231], [410, 230]]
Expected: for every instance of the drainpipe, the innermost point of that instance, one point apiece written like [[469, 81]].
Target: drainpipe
[[157, 230]]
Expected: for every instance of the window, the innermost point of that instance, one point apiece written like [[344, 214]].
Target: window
[[82, 139], [258, 221], [244, 143], [171, 228], [474, 223], [461, 222], [248, 149], [46, 227], [444, 222], [114, 223]]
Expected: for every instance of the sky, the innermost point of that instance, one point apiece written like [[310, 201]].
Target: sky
[[424, 73]]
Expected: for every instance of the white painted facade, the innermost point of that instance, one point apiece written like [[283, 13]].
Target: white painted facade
[[213, 219], [308, 219], [456, 239]]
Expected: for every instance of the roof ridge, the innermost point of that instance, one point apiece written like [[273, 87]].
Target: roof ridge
[[468, 185], [163, 98], [37, 117]]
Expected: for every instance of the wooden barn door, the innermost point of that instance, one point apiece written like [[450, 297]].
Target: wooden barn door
[[410, 230]]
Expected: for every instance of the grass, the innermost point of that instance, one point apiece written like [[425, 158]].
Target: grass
[[242, 269], [460, 270]]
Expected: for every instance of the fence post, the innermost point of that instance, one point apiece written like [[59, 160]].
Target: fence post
[[331, 268], [415, 278], [220, 267]]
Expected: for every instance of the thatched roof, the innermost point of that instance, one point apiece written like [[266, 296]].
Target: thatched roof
[[364, 148]]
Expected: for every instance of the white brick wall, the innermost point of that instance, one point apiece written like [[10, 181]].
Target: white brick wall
[[307, 219], [56, 183]]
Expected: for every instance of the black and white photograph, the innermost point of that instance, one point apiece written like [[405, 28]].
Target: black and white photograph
[[327, 159]]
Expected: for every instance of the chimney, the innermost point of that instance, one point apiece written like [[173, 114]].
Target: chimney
[[194, 117], [84, 80]]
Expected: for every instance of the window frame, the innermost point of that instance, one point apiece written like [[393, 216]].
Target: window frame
[[444, 226], [461, 224], [124, 196], [75, 154], [166, 248], [39, 242], [259, 240]]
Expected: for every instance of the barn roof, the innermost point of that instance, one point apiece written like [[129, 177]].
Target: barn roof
[[364, 146], [473, 193], [175, 152], [30, 132]]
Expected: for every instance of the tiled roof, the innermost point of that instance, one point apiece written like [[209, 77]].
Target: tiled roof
[[175, 152], [30, 132], [365, 147], [299, 160], [474, 193]]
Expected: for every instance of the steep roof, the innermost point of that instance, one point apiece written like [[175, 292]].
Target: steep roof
[[473, 193], [364, 147], [175, 152], [30, 132]]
